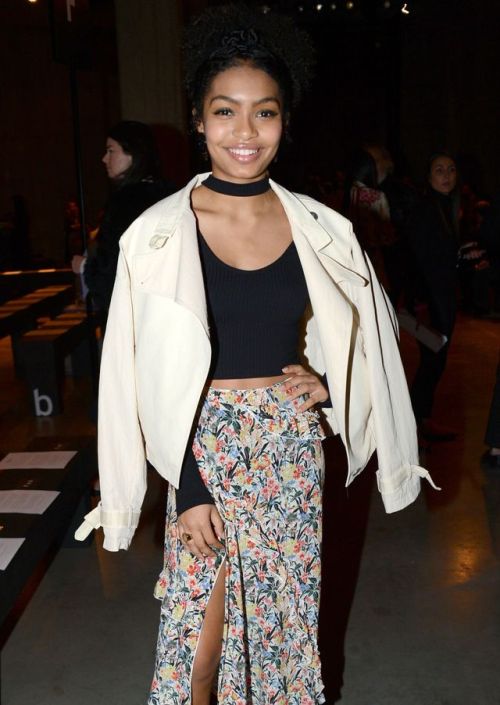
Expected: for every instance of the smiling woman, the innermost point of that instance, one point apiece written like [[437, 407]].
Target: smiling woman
[[202, 373]]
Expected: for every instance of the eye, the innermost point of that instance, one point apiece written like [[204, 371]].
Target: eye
[[224, 112], [267, 113]]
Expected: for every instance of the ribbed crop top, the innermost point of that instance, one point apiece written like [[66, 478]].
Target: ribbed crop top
[[254, 315]]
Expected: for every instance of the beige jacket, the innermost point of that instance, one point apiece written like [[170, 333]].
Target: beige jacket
[[157, 353]]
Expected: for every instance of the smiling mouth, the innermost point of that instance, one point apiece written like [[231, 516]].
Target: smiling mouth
[[243, 154]]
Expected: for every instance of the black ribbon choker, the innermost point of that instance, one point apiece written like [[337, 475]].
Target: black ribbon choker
[[229, 188]]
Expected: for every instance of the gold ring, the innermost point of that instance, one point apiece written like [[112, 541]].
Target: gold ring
[[187, 537]]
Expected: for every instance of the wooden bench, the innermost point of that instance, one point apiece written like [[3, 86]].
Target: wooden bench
[[20, 315], [44, 352]]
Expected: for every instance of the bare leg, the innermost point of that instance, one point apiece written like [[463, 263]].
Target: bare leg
[[209, 645]]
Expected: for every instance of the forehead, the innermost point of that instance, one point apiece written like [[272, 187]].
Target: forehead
[[442, 163], [110, 142], [241, 82]]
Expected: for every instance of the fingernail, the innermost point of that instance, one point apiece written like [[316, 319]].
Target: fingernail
[[284, 369]]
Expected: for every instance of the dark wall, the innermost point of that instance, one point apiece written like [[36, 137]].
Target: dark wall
[[36, 140], [450, 87]]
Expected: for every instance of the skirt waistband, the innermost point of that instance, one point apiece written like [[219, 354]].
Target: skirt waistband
[[259, 396]]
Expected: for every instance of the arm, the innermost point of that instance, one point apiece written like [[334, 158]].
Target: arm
[[192, 490], [122, 463], [393, 422]]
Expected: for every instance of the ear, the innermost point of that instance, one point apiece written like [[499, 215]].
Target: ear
[[197, 122]]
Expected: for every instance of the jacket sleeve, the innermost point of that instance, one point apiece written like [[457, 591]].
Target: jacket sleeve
[[121, 454], [393, 423]]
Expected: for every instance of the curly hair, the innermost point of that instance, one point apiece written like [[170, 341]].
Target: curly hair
[[225, 36]]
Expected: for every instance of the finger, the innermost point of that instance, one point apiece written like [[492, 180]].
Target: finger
[[301, 389], [307, 404], [211, 539], [201, 545], [293, 369], [218, 525]]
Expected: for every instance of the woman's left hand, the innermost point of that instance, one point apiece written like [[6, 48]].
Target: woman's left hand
[[301, 382]]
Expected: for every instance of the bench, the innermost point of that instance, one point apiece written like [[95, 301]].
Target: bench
[[44, 352], [45, 533], [16, 283], [20, 315]]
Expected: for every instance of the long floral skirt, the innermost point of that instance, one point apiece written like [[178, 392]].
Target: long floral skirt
[[263, 464]]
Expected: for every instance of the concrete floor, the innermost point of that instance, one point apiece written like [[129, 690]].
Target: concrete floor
[[412, 600]]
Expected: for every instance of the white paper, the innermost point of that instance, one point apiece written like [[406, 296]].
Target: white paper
[[8, 549], [35, 461], [26, 501]]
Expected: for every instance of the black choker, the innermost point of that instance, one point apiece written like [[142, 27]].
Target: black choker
[[229, 188]]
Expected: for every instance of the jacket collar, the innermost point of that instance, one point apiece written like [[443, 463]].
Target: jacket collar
[[298, 213]]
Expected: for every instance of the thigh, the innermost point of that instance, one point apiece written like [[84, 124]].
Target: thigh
[[210, 641]]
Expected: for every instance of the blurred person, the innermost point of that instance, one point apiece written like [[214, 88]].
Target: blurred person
[[434, 241], [402, 197], [133, 167], [368, 209]]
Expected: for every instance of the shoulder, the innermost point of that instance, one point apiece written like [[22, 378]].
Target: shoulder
[[157, 219], [304, 204]]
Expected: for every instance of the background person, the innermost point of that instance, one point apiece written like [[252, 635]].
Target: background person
[[434, 240], [133, 166]]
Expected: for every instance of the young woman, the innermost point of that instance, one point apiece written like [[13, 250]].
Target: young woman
[[132, 164], [202, 373]]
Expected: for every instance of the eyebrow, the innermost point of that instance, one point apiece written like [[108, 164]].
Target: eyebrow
[[267, 99]]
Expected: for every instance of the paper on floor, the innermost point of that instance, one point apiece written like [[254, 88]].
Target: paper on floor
[[39, 460], [26, 501], [8, 549]]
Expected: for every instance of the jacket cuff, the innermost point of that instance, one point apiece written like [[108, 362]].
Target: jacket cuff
[[119, 527], [398, 496]]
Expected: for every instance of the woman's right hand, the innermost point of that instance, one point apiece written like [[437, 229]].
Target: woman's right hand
[[200, 530]]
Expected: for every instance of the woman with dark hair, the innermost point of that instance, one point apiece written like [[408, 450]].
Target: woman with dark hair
[[434, 240], [202, 374], [133, 166]]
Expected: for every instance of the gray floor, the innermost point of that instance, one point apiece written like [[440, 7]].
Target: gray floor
[[424, 628]]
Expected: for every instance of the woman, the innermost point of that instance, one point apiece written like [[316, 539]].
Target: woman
[[213, 285], [433, 240], [133, 167]]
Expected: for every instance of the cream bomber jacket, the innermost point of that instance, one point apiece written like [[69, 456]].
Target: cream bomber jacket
[[156, 357]]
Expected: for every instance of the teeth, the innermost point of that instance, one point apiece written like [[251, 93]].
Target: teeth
[[244, 152]]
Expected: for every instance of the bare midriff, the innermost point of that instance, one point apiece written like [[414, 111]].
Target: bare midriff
[[247, 383]]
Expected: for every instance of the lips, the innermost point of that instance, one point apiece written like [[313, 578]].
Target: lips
[[243, 154]]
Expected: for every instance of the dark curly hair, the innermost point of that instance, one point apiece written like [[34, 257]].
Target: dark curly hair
[[225, 36]]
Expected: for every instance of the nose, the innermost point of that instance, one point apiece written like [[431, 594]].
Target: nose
[[245, 127], [105, 158]]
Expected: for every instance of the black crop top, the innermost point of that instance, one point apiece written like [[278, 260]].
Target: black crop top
[[254, 318], [254, 315]]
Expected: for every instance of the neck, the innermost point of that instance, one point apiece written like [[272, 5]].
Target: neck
[[238, 190]]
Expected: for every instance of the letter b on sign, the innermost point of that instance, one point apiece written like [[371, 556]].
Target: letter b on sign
[[44, 406]]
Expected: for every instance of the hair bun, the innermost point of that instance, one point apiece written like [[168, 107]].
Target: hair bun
[[239, 41]]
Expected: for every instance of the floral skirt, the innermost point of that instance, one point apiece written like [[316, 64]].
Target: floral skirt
[[262, 461]]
